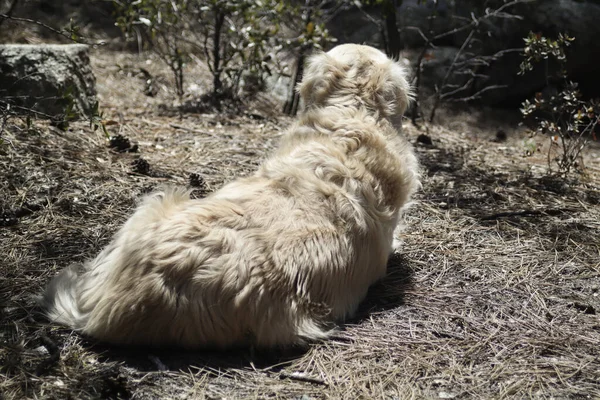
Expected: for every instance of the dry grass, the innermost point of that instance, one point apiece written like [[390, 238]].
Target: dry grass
[[496, 293]]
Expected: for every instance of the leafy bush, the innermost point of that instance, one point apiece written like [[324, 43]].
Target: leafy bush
[[240, 40], [559, 112], [233, 36]]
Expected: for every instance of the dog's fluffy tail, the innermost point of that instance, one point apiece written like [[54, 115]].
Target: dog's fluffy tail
[[60, 298], [72, 295]]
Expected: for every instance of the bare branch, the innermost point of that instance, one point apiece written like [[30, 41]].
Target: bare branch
[[447, 76], [478, 94], [65, 34]]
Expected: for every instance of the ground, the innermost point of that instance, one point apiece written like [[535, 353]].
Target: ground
[[495, 292]]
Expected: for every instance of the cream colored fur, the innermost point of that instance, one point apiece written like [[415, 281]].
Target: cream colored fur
[[272, 259]]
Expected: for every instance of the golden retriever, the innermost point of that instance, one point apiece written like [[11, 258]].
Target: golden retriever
[[272, 259]]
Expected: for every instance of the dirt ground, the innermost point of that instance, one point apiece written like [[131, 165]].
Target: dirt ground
[[495, 294]]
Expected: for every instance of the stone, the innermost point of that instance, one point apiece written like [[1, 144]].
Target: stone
[[548, 17], [578, 18], [47, 78]]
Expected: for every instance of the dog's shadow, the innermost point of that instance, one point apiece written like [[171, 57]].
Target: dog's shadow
[[384, 295], [151, 359], [389, 292]]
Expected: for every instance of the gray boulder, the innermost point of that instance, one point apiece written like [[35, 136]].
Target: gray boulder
[[549, 17], [578, 18], [355, 26], [47, 78]]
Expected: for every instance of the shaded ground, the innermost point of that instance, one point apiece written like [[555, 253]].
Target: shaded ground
[[496, 293]]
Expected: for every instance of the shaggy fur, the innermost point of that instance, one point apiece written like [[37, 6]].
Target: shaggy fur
[[272, 259]]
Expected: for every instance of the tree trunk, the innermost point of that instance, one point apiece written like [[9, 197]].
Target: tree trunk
[[217, 84], [291, 105], [293, 101], [394, 42]]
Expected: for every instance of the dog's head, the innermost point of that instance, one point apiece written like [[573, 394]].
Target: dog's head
[[356, 75]]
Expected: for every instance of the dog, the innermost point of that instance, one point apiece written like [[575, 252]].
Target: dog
[[274, 259]]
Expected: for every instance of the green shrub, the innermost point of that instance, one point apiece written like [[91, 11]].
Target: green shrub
[[559, 112]]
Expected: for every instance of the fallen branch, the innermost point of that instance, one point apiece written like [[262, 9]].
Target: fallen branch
[[299, 376], [528, 213]]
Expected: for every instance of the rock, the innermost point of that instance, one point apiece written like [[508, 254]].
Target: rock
[[548, 17], [280, 87], [47, 78], [122, 144], [578, 18], [352, 25], [197, 181], [424, 139], [141, 166], [500, 136]]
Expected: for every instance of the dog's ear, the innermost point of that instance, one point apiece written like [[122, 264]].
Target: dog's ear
[[401, 89], [390, 88], [321, 75]]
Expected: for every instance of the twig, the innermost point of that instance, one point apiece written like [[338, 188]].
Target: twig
[[478, 94], [5, 117], [65, 34], [475, 22], [298, 376], [28, 110], [487, 60], [183, 128]]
